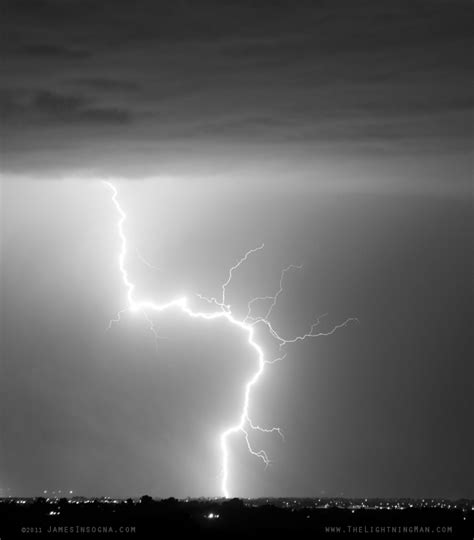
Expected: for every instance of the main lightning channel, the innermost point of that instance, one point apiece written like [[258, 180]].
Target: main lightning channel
[[244, 424]]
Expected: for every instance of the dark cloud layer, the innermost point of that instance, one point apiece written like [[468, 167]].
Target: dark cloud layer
[[52, 51], [374, 72], [44, 108]]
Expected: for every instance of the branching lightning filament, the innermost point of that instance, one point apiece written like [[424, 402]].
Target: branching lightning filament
[[244, 424]]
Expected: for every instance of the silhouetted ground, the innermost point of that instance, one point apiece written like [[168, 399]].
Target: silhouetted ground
[[300, 518]]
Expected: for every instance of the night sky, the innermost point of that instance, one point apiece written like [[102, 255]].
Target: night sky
[[339, 133]]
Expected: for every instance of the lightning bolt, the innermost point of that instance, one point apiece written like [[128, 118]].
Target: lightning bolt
[[247, 325]]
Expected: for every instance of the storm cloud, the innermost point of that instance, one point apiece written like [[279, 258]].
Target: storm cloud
[[341, 76]]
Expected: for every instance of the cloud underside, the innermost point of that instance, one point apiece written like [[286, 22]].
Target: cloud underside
[[391, 75]]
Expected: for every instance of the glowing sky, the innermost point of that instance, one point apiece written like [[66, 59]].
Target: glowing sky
[[339, 134]]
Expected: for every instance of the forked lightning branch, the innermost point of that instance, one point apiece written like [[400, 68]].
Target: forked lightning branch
[[218, 308]]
